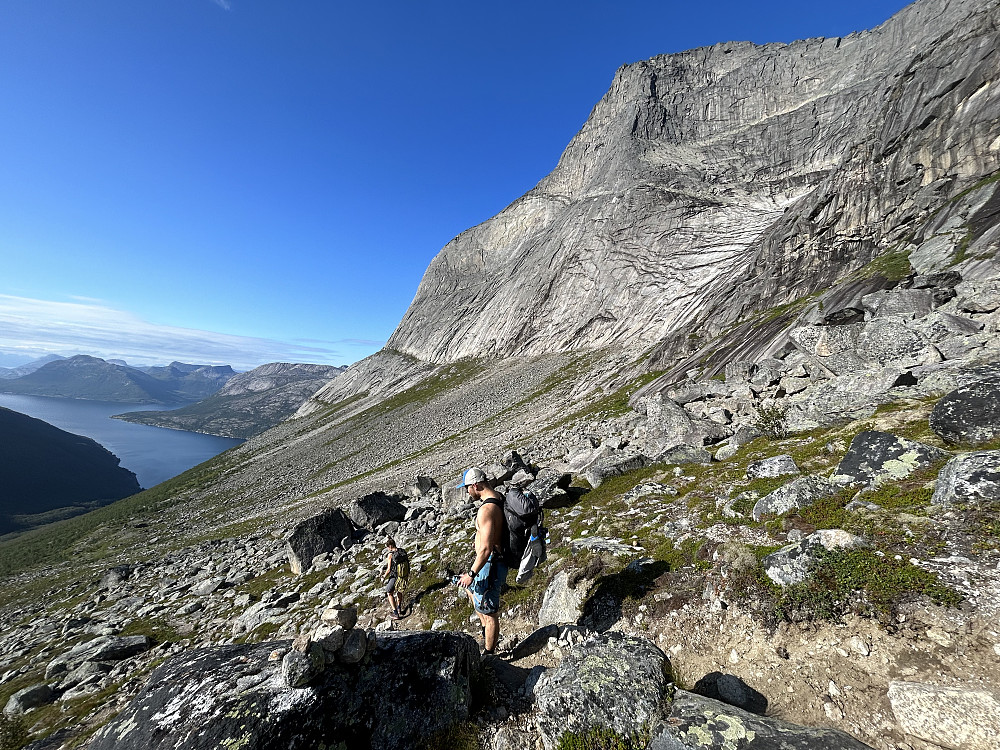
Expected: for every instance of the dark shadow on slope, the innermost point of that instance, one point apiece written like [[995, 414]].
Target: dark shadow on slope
[[731, 689], [610, 593]]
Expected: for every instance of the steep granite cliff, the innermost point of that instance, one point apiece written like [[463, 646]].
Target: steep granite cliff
[[713, 182]]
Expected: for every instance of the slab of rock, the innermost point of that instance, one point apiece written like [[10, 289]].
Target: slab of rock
[[877, 457], [28, 698], [791, 564], [698, 722], [799, 493], [324, 532], [969, 415], [410, 688], [562, 604], [963, 718], [903, 303], [608, 681], [971, 478], [775, 466], [421, 487], [614, 466], [371, 511]]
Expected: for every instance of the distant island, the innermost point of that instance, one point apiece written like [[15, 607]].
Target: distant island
[[248, 404], [96, 379], [48, 474]]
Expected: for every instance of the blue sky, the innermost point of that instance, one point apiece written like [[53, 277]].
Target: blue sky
[[244, 181]]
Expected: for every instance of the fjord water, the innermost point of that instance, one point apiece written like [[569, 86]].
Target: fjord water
[[155, 454]]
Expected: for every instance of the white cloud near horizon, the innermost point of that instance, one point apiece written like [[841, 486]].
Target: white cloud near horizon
[[34, 327]]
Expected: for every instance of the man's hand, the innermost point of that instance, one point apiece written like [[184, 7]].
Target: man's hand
[[465, 580]]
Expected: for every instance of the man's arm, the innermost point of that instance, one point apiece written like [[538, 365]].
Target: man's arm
[[487, 537]]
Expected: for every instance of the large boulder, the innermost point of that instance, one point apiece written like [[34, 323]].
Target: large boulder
[[791, 564], [972, 478], [101, 649], [613, 466], [799, 493], [550, 487], [27, 698], [969, 415], [878, 457], [411, 687], [609, 681], [371, 511], [698, 722], [955, 717], [325, 532], [775, 466]]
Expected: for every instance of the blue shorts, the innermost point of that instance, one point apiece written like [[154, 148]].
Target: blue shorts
[[485, 588]]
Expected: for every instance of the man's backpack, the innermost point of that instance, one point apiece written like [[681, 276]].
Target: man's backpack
[[524, 547], [401, 566]]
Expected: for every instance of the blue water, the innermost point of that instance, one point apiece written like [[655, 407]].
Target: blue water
[[155, 454]]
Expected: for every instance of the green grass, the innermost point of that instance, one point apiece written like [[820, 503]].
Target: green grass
[[603, 738], [13, 732], [157, 629]]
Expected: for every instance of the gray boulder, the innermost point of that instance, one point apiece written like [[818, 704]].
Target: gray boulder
[[410, 688], [325, 532], [299, 667], [103, 648], [972, 478], [420, 487], [799, 493], [698, 722], [889, 341], [903, 303], [969, 415], [608, 681], [550, 486], [614, 466], [775, 466], [371, 511], [685, 454], [966, 718], [791, 564], [28, 698], [561, 603], [877, 457]]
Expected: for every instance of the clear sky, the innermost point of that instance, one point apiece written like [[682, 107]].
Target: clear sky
[[245, 181]]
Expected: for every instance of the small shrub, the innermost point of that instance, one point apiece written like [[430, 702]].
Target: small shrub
[[458, 737], [772, 420]]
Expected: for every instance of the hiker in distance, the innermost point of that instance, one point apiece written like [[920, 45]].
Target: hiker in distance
[[394, 564], [487, 573]]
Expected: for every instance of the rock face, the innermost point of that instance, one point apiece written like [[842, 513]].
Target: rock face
[[969, 415], [785, 166], [561, 604], [371, 511], [43, 468], [608, 681], [412, 686], [798, 493], [248, 404], [964, 718]]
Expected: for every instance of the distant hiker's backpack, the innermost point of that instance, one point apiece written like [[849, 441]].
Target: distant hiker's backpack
[[525, 544], [401, 566]]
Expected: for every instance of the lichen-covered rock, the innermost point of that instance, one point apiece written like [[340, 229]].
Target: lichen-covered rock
[[799, 493], [608, 681], [550, 486], [375, 509], [971, 478], [411, 687], [324, 532], [878, 457], [791, 564], [969, 415], [775, 466], [354, 648], [336, 614], [300, 667], [704, 723], [955, 717]]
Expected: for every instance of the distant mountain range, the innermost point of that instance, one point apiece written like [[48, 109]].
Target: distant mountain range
[[9, 373], [100, 380], [248, 404], [47, 474]]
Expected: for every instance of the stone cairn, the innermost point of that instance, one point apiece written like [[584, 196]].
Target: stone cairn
[[335, 640]]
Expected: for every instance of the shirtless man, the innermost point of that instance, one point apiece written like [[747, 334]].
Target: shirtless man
[[488, 573]]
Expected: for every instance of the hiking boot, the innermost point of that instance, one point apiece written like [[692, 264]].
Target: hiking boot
[[397, 615]]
